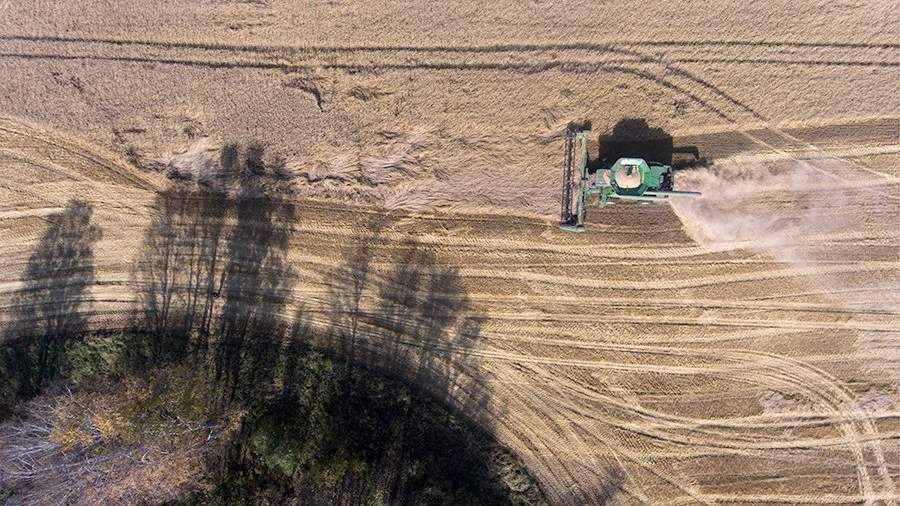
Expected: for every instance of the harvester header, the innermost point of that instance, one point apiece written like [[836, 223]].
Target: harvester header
[[626, 179]]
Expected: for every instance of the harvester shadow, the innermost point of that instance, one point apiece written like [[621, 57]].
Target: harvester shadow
[[635, 138], [48, 307]]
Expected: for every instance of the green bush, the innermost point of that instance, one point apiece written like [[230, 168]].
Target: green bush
[[8, 385], [15, 374], [96, 357]]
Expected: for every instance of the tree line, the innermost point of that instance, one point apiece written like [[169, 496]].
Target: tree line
[[215, 288]]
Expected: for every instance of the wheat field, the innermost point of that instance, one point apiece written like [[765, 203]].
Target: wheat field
[[742, 348]]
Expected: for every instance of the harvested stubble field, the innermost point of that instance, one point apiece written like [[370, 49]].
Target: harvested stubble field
[[738, 349]]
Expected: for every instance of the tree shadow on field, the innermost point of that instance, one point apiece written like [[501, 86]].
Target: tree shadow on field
[[394, 311], [256, 281], [635, 138], [347, 284], [216, 283], [48, 308], [415, 321], [178, 271], [213, 291], [609, 487]]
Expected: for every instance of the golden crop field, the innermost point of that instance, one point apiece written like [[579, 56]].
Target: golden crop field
[[741, 348]]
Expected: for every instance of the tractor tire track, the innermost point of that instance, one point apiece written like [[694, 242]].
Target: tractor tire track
[[580, 58], [543, 348], [111, 171]]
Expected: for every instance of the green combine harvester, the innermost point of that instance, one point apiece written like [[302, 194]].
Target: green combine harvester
[[627, 179]]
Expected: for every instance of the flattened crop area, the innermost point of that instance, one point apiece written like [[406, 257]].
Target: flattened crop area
[[630, 363]]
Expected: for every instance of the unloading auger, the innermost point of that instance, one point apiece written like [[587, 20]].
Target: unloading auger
[[626, 179]]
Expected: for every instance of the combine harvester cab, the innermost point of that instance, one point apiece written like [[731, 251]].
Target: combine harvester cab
[[626, 179]]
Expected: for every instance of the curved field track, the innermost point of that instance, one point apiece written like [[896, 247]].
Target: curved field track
[[630, 363], [742, 348]]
